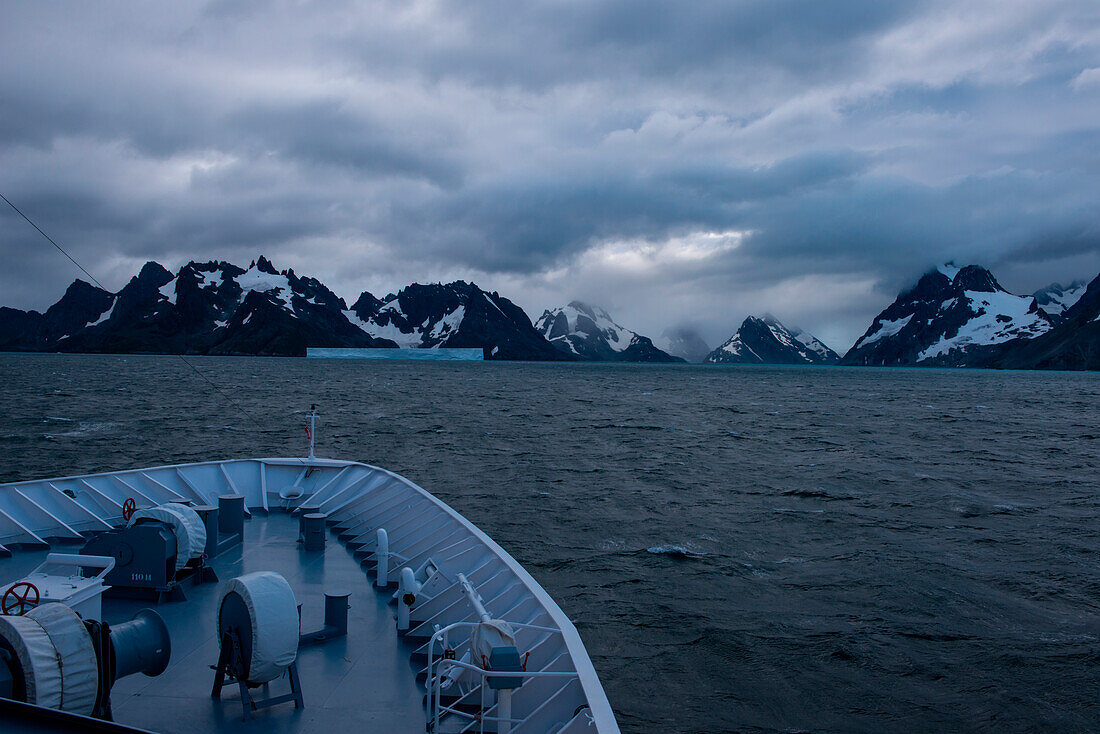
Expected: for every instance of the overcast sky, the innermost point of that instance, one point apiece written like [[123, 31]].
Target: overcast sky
[[675, 162]]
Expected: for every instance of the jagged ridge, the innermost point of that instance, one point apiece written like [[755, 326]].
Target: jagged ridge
[[219, 308]]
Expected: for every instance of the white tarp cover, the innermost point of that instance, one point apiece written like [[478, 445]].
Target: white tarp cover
[[187, 526], [37, 658], [73, 646], [273, 611], [487, 635]]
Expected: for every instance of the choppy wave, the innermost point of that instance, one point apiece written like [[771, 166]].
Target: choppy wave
[[677, 552]]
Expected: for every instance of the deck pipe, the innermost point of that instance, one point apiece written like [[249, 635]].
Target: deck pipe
[[313, 531], [382, 555], [231, 514]]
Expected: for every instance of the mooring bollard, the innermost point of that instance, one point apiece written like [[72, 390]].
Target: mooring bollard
[[382, 555], [303, 510], [231, 514], [336, 611], [314, 531]]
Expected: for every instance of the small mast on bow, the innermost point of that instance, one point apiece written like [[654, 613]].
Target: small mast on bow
[[311, 431]]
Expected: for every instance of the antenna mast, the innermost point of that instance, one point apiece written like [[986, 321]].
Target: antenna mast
[[312, 427]]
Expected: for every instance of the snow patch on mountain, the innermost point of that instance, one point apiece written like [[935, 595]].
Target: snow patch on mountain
[[997, 318], [385, 324], [884, 330], [447, 325], [1055, 299], [815, 345], [105, 315], [737, 348], [168, 290], [275, 284]]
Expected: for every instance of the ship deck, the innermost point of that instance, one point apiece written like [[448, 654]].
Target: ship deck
[[373, 680], [363, 682]]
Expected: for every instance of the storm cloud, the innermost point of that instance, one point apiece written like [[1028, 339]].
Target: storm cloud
[[672, 162]]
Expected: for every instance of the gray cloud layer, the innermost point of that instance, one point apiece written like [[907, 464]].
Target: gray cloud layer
[[674, 162]]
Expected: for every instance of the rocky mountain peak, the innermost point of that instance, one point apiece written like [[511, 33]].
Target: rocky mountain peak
[[587, 332], [951, 313], [765, 340], [976, 278], [264, 266]]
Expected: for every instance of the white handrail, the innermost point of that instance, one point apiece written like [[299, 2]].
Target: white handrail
[[434, 708], [77, 561]]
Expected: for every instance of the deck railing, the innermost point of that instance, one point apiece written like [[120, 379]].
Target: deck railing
[[444, 667]]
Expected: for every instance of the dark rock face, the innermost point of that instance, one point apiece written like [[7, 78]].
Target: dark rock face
[[1074, 344], [83, 304], [952, 317], [366, 306], [19, 330], [583, 332], [767, 341]]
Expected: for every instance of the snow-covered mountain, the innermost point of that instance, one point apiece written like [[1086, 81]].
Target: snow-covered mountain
[[455, 314], [1056, 298], [949, 318], [588, 333], [1074, 344], [767, 341], [219, 308], [683, 342]]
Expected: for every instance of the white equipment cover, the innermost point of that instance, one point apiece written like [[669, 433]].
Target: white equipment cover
[[41, 668], [56, 654], [273, 611], [487, 635], [186, 525], [73, 647]]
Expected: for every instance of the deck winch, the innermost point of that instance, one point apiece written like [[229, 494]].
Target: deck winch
[[163, 545], [259, 627], [50, 657]]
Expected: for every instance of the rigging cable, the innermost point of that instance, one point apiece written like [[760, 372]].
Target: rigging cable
[[96, 281]]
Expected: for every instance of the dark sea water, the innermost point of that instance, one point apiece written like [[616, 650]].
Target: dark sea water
[[742, 549]]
